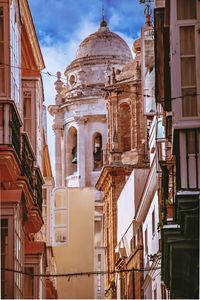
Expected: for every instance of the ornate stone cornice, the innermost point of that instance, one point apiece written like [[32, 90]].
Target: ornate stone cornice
[[85, 119], [29, 25]]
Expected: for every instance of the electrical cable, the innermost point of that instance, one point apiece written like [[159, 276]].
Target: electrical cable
[[80, 273], [27, 69], [137, 94]]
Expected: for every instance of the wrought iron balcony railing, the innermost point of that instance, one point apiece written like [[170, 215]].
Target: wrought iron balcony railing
[[10, 124], [27, 160], [38, 187]]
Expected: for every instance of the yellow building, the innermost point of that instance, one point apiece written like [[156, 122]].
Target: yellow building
[[74, 215]]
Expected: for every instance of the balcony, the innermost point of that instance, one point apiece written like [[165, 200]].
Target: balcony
[[27, 160], [39, 181], [180, 247], [10, 124], [32, 173]]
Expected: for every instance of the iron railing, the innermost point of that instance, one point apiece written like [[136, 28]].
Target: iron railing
[[10, 124], [38, 188], [27, 160]]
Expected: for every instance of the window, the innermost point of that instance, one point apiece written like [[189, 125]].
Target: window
[[186, 9], [4, 257], [146, 241], [27, 113], [72, 80], [160, 129], [189, 159], [99, 277], [44, 212], [97, 233], [125, 127], [72, 155], [14, 54], [2, 58], [18, 255], [11, 254], [188, 74], [97, 152], [153, 221], [60, 216]]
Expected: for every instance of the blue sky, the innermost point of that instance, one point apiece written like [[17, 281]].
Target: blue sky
[[61, 25]]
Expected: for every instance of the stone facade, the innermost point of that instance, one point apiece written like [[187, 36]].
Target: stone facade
[[80, 123]]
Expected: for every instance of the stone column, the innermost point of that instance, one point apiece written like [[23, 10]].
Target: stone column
[[81, 151], [58, 154], [63, 157]]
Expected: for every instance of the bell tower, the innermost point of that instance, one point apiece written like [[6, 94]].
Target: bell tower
[[80, 126]]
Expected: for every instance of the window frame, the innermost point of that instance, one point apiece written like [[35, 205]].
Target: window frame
[[28, 86], [60, 226], [6, 67], [175, 63]]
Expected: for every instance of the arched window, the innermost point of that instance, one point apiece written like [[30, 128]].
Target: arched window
[[72, 158], [72, 80], [125, 127], [97, 152]]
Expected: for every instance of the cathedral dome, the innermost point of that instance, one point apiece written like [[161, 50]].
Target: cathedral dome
[[95, 58], [104, 43]]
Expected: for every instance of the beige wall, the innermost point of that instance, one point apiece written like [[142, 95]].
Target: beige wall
[[78, 255]]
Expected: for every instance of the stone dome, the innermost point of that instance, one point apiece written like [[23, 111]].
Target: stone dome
[[104, 43]]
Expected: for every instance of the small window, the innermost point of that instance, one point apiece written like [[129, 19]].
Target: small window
[[160, 130], [72, 80], [97, 233]]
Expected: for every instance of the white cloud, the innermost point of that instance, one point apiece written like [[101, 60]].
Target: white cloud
[[114, 20]]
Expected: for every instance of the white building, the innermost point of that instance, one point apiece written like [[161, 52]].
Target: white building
[[80, 128]]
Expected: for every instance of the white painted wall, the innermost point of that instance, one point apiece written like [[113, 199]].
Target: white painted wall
[[126, 204], [153, 248]]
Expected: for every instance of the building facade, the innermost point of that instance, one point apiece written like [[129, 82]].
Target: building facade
[[177, 90], [21, 154], [80, 127]]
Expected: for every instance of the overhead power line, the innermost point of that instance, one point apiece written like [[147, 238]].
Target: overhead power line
[[27, 69], [80, 273], [163, 99]]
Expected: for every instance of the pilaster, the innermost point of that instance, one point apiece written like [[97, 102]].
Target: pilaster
[[58, 153]]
